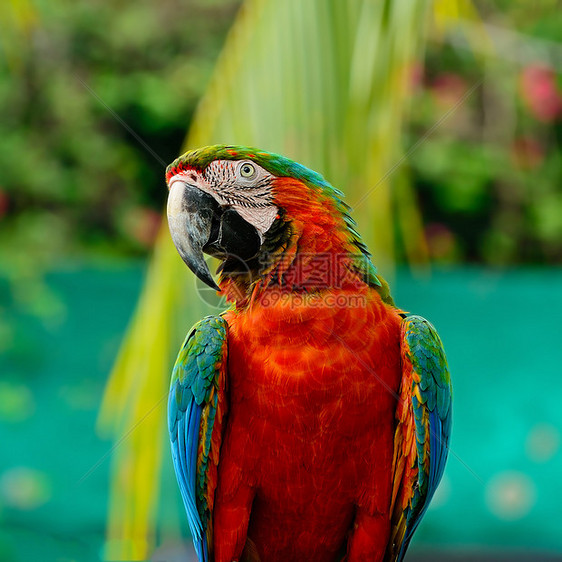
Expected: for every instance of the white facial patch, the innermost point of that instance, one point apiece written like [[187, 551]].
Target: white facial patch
[[242, 185], [261, 218]]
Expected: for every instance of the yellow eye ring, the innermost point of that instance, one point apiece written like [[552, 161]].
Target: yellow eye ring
[[247, 170]]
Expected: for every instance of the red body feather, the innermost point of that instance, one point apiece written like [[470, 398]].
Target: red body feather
[[313, 375]]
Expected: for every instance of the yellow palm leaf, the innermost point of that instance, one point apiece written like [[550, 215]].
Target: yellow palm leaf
[[324, 82]]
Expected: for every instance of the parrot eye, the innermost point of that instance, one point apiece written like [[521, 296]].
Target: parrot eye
[[247, 170]]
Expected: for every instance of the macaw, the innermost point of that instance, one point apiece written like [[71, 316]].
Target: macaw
[[311, 420]]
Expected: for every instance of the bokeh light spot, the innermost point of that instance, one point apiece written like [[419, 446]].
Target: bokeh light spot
[[24, 488], [510, 495], [543, 442], [16, 402]]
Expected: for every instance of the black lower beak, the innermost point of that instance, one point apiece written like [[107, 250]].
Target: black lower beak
[[235, 240], [190, 218], [198, 224]]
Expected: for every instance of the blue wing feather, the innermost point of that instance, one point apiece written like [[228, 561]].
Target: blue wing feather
[[430, 398], [196, 383]]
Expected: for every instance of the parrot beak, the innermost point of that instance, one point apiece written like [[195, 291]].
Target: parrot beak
[[198, 224], [191, 215], [235, 240]]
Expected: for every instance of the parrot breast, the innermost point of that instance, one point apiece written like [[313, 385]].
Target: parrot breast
[[312, 399]]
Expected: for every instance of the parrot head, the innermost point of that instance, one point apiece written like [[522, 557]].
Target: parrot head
[[259, 213]]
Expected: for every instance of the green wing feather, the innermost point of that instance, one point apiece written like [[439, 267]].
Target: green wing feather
[[423, 429], [196, 410]]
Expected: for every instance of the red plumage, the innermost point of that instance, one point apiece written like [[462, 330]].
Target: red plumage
[[306, 460]]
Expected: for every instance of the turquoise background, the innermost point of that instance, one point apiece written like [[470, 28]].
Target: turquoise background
[[501, 491]]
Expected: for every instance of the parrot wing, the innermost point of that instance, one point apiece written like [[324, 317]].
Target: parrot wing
[[421, 441], [196, 411]]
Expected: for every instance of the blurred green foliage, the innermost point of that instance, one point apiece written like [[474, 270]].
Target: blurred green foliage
[[73, 179], [489, 176]]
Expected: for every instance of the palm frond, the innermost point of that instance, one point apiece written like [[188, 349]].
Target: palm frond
[[324, 82], [18, 18]]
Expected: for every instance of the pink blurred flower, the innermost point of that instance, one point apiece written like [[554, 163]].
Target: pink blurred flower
[[142, 224], [4, 203], [416, 74], [447, 89], [527, 153], [441, 241], [539, 92]]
